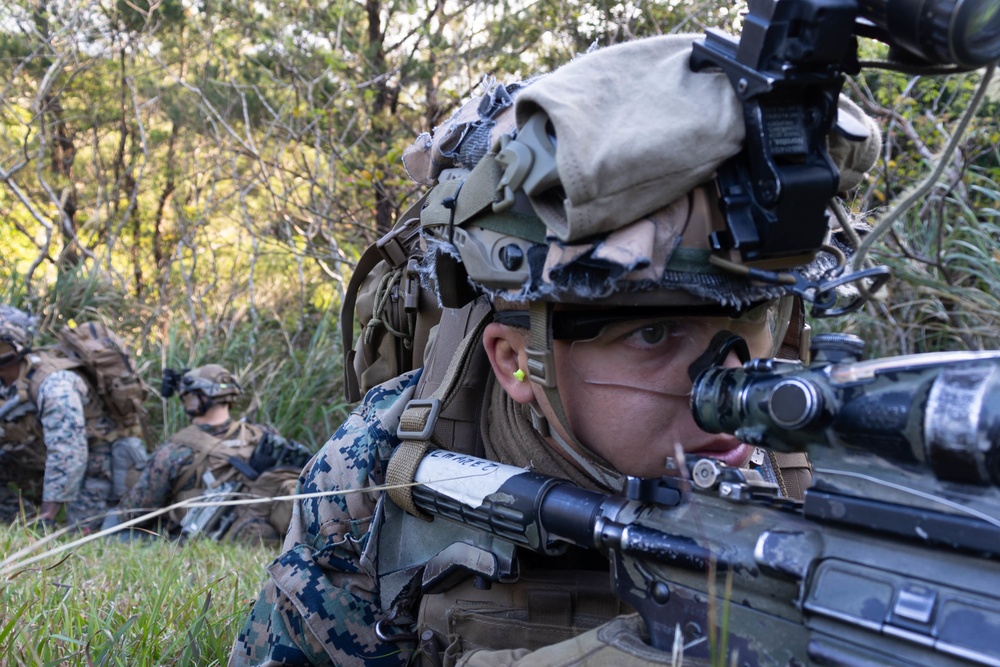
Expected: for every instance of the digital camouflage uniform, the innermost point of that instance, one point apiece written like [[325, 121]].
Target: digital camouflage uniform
[[319, 606], [77, 469]]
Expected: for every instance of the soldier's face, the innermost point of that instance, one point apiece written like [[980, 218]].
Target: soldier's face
[[625, 383], [633, 427]]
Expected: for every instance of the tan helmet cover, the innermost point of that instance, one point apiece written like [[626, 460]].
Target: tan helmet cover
[[636, 132], [212, 380], [17, 328], [637, 129]]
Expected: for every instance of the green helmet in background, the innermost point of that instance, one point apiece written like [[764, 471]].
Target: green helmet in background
[[212, 380], [17, 329], [593, 188]]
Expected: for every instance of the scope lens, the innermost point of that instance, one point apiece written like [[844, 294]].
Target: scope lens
[[975, 34], [941, 32]]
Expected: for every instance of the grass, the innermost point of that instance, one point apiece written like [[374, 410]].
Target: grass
[[140, 603]]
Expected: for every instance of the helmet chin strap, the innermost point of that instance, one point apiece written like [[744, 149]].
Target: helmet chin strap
[[590, 463], [204, 403], [541, 366]]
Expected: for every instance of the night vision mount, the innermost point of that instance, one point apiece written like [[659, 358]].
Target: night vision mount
[[788, 68], [171, 381]]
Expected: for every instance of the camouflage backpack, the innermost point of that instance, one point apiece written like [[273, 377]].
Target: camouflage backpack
[[395, 311], [106, 363], [399, 313]]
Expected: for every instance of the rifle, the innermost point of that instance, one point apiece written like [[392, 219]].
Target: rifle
[[893, 558], [272, 452], [211, 520]]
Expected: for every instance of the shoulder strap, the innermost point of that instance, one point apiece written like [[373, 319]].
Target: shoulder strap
[[446, 415], [43, 365], [458, 336], [194, 437]]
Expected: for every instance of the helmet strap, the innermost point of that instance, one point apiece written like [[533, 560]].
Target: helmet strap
[[795, 338], [541, 370], [590, 463], [541, 362], [204, 403]]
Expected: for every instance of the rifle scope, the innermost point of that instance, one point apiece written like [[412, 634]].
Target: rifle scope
[[943, 32], [938, 410]]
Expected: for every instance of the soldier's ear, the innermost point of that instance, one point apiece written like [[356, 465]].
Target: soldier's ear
[[505, 346]]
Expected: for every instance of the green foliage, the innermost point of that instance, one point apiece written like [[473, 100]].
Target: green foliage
[[202, 175], [115, 603], [136, 15], [943, 253], [946, 275]]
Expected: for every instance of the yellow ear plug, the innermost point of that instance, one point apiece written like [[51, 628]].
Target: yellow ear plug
[[519, 375]]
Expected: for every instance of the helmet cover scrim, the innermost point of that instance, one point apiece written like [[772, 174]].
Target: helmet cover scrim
[[621, 225]]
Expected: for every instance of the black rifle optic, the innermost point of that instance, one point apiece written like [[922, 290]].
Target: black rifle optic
[[938, 410], [788, 69], [892, 559]]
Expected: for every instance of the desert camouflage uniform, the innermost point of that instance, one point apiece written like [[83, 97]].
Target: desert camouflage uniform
[[77, 453], [155, 486], [319, 606]]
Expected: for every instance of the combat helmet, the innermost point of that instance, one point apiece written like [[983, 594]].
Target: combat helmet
[[211, 380], [17, 329], [592, 188]]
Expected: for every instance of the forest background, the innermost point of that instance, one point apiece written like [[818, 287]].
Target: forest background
[[203, 175]]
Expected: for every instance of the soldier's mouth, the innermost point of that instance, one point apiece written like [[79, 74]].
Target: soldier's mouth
[[734, 455]]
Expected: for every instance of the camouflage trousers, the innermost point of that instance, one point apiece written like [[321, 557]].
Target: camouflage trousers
[[21, 489], [22, 471]]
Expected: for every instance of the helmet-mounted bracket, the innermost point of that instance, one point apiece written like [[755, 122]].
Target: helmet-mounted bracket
[[787, 69], [529, 162]]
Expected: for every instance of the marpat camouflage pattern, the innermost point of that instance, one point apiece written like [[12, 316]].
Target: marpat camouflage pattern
[[318, 605]]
